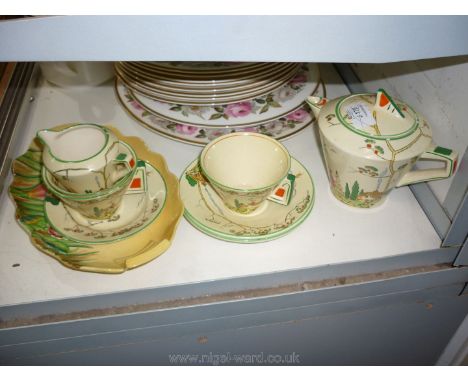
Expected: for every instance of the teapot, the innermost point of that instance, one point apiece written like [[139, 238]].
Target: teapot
[[84, 158], [370, 144]]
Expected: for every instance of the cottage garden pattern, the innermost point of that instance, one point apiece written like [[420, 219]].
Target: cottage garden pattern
[[352, 193], [103, 236], [218, 219]]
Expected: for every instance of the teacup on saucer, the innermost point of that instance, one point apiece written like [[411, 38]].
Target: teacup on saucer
[[244, 168], [206, 211], [131, 207], [137, 210]]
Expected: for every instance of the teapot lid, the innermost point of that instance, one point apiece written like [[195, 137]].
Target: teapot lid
[[377, 116]]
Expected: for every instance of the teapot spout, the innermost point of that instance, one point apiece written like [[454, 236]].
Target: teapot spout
[[48, 137], [316, 104]]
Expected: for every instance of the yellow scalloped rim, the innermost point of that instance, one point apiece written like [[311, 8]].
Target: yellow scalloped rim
[[29, 195]]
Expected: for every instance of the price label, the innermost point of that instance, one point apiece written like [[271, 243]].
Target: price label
[[360, 115]]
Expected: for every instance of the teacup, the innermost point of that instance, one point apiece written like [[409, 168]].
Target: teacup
[[84, 158], [244, 168], [98, 205]]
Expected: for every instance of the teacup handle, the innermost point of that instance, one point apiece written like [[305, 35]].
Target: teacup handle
[[436, 153], [124, 163], [138, 184], [283, 192]]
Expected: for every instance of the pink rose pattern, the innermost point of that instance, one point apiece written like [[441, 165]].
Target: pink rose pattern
[[299, 79], [136, 105], [296, 119], [240, 109], [298, 115], [186, 129]]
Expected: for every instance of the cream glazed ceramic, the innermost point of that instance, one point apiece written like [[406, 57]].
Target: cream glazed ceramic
[[244, 168], [281, 127], [84, 158], [100, 205], [370, 144], [111, 246], [206, 97], [77, 73], [281, 102], [205, 210], [137, 211]]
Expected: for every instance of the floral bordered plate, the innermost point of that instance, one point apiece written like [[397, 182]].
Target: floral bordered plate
[[111, 256], [281, 128], [206, 211], [274, 105]]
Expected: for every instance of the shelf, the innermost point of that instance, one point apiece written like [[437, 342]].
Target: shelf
[[234, 38], [332, 234]]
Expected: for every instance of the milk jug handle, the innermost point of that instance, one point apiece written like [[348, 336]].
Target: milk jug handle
[[434, 153]]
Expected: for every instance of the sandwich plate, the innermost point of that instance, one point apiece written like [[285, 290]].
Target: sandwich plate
[[108, 249]]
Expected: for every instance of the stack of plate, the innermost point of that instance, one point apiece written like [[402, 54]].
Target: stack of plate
[[197, 102], [207, 85]]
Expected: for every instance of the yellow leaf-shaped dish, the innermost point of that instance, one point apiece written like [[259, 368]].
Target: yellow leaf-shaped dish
[[30, 196]]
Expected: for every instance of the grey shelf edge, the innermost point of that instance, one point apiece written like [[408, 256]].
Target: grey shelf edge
[[220, 315], [339, 327], [335, 273], [452, 231], [289, 38]]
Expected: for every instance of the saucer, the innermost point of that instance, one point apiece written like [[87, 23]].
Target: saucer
[[116, 255], [205, 210], [136, 212]]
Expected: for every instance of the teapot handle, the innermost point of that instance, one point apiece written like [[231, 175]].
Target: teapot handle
[[435, 153]]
